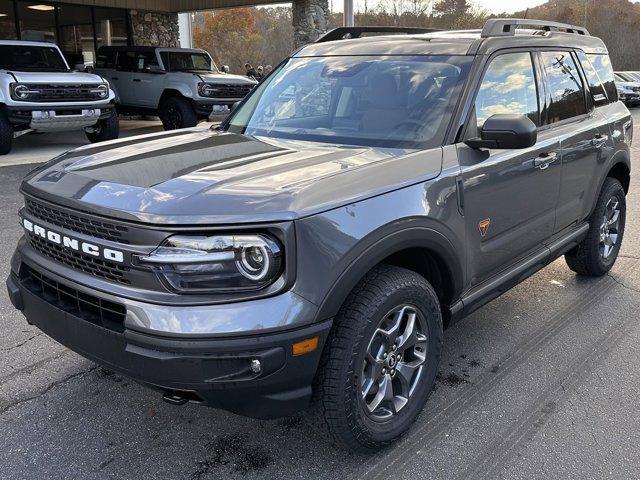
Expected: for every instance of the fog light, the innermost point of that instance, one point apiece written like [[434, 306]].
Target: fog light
[[255, 366]]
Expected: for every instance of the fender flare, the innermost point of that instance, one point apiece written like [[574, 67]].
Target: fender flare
[[181, 88], [375, 252], [619, 157]]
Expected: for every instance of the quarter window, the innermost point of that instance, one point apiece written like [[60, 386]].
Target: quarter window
[[508, 86], [595, 84], [565, 86], [602, 65]]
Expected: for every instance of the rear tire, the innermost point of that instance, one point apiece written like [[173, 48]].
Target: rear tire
[[372, 349], [598, 252], [176, 113], [107, 129], [6, 134]]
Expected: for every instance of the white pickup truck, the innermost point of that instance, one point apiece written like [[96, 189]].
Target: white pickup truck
[[39, 92]]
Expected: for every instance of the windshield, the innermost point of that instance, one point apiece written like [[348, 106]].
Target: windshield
[[390, 101], [187, 61], [31, 58]]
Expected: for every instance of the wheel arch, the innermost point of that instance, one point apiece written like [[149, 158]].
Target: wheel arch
[[422, 250], [619, 168]]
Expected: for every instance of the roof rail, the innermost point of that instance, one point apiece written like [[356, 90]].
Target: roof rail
[[343, 33], [503, 27]]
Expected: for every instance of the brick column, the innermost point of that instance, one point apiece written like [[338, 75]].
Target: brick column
[[310, 20]]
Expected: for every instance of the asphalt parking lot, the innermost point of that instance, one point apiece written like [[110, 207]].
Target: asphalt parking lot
[[543, 382]]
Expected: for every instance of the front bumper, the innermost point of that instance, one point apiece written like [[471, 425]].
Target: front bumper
[[51, 118], [211, 370]]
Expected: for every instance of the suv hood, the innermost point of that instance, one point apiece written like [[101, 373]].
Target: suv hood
[[225, 78], [56, 77], [201, 176]]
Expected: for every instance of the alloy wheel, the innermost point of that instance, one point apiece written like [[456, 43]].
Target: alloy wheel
[[609, 229], [394, 362]]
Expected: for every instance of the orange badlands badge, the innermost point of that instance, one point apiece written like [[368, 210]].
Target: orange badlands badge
[[483, 226]]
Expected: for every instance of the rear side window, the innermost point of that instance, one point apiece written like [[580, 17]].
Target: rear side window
[[126, 61], [565, 86], [508, 86], [602, 65]]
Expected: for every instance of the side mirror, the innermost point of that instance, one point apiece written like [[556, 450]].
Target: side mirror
[[225, 69], [89, 69], [504, 131]]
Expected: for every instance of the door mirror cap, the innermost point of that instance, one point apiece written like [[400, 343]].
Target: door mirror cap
[[506, 131], [225, 69]]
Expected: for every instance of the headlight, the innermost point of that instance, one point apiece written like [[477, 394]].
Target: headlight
[[206, 89], [217, 264], [102, 91], [21, 92]]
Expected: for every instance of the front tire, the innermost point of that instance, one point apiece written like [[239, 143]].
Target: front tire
[[6, 134], [597, 253], [176, 113], [106, 129], [381, 360]]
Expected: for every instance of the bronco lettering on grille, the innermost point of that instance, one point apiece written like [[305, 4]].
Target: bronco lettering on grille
[[72, 243]]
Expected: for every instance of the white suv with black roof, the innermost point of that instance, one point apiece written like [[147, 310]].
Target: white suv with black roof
[[181, 86], [39, 92]]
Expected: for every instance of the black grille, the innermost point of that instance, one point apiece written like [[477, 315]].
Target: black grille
[[86, 263], [92, 309], [77, 223], [231, 91], [63, 93]]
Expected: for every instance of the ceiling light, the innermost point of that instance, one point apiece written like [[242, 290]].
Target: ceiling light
[[42, 8], [3, 14]]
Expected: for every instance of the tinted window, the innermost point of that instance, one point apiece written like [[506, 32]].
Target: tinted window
[[186, 61], [508, 86], [135, 61], [602, 65], [106, 59], [565, 86], [31, 58], [392, 101], [595, 84]]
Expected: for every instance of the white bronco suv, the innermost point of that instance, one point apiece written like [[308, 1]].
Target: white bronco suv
[[39, 92], [180, 85]]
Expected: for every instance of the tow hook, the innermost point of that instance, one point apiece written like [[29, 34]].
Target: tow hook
[[174, 399]]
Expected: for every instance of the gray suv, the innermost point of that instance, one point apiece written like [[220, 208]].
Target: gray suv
[[369, 193], [181, 86]]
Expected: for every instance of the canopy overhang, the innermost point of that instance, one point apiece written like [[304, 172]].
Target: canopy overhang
[[172, 6]]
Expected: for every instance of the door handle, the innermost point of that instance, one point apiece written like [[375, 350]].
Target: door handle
[[137, 80], [114, 78], [543, 161], [599, 140]]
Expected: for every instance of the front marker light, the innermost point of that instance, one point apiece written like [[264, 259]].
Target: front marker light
[[216, 264]]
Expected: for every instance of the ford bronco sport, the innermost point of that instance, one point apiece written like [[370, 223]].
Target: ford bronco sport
[[368, 193], [38, 92], [180, 85]]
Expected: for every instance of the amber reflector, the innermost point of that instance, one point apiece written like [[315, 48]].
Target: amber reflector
[[305, 346]]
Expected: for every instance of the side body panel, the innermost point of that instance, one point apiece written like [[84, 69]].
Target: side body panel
[[336, 248]]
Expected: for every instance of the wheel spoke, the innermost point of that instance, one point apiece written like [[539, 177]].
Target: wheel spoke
[[613, 219], [408, 338], [385, 393], [406, 372]]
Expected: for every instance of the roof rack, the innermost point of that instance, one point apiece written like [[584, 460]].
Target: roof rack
[[343, 33], [504, 27]]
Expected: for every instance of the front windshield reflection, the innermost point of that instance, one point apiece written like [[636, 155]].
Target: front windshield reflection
[[394, 101]]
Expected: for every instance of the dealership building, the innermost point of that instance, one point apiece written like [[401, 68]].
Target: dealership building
[[80, 27]]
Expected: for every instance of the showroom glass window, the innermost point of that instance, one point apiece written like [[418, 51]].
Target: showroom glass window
[[508, 86], [37, 21], [565, 86], [7, 20], [76, 34], [111, 27]]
